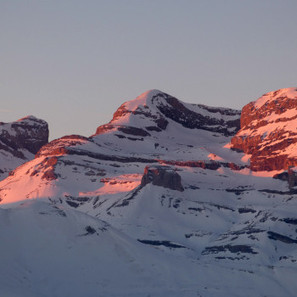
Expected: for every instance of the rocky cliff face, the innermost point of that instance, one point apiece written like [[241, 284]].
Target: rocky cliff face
[[268, 131], [20, 141], [163, 176]]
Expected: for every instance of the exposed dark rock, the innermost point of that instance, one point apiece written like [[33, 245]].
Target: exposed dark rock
[[289, 175], [120, 136], [165, 243], [72, 204], [211, 165], [153, 128], [163, 176], [292, 178], [133, 131], [161, 123], [90, 230], [126, 201], [196, 209], [236, 191], [246, 210], [292, 191], [76, 201], [291, 221], [179, 113], [246, 249], [49, 175], [280, 237], [282, 176], [49, 165]]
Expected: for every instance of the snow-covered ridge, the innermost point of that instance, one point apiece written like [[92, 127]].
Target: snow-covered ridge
[[154, 128], [153, 110], [155, 189]]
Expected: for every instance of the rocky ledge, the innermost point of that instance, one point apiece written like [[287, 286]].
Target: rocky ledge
[[163, 176]]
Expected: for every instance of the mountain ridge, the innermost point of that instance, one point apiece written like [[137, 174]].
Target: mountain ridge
[[156, 106], [177, 207]]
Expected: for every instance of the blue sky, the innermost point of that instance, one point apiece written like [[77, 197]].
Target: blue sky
[[73, 63]]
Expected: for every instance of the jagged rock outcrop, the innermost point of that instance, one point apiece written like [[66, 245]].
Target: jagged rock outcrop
[[198, 116], [163, 176], [268, 131], [19, 141]]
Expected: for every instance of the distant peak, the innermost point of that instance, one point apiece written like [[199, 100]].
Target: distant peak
[[152, 92], [29, 117], [142, 100], [149, 94], [290, 93]]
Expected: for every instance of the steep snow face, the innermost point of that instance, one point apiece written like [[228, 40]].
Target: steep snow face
[[269, 130], [19, 141]]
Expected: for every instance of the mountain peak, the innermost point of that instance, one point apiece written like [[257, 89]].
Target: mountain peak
[[268, 131], [149, 94], [154, 110], [29, 117], [142, 100], [285, 93]]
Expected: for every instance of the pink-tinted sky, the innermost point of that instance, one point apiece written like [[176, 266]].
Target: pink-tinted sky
[[74, 62]]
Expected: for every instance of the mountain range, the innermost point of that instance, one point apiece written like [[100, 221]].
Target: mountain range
[[167, 199]]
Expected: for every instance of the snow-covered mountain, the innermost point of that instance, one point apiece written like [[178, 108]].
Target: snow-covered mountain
[[161, 201], [20, 141]]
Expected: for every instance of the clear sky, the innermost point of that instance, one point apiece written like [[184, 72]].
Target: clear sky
[[73, 63]]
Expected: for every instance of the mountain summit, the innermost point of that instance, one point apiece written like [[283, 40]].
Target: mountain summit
[[152, 109], [269, 131]]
